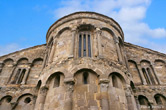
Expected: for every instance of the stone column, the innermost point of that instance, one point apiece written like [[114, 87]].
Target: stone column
[[72, 44], [98, 35], [155, 73], [69, 83], [141, 74], [26, 74], [118, 49], [45, 58], [95, 44], [104, 94], [52, 51], [137, 102], [130, 99], [41, 98]]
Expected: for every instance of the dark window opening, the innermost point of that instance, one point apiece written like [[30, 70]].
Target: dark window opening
[[142, 100], [150, 74], [145, 75], [80, 45], [89, 46], [85, 78], [57, 81], [84, 49], [114, 81], [8, 99], [21, 76], [158, 100], [16, 76], [84, 45], [27, 100]]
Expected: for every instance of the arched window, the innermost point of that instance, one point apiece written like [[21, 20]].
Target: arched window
[[149, 72], [85, 78], [160, 100], [116, 81], [18, 75], [84, 44], [143, 100]]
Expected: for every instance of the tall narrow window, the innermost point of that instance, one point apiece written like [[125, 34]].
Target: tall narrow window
[[80, 45], [16, 76], [84, 49], [85, 78], [145, 75], [21, 76], [114, 81], [150, 74], [89, 46], [57, 81]]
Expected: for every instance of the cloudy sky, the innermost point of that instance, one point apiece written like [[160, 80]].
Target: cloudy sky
[[24, 23]]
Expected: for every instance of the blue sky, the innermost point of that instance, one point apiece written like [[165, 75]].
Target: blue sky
[[24, 23]]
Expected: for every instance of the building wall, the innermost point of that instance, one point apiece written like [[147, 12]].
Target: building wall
[[85, 65]]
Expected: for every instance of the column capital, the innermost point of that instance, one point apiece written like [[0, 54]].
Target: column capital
[[116, 39], [128, 91], [73, 30], [43, 89], [69, 81], [98, 30], [13, 104], [138, 64], [69, 84], [30, 64], [104, 81]]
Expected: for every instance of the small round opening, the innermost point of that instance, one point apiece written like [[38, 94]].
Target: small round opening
[[8, 99], [27, 100]]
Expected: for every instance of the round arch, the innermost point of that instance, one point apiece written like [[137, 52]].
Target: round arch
[[120, 77], [76, 69], [57, 34], [52, 76]]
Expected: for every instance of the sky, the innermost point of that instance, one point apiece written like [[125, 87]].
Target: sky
[[24, 23]]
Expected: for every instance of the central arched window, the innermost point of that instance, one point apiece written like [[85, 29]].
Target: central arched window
[[84, 49]]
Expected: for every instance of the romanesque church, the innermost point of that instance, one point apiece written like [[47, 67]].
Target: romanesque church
[[84, 65]]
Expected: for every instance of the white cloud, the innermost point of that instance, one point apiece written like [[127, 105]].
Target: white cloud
[[9, 48], [128, 13]]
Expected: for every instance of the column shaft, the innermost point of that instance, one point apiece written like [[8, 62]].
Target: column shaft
[[41, 98], [130, 99], [68, 104], [104, 94], [118, 52], [51, 53], [72, 44], [98, 32]]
